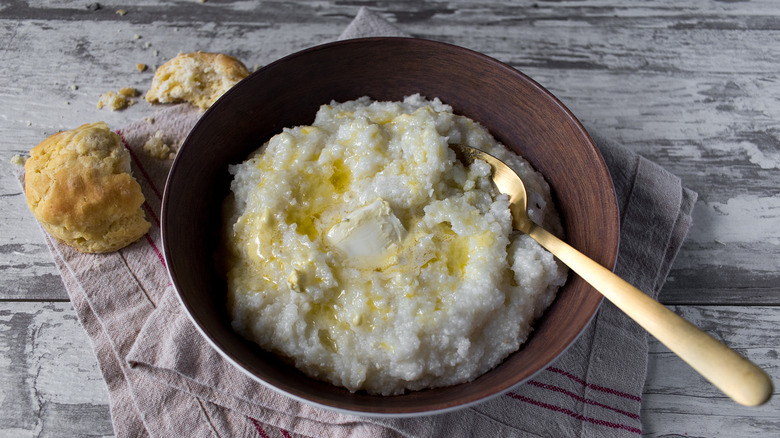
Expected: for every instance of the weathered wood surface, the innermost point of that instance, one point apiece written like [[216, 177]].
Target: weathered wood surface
[[692, 85], [50, 384], [677, 401]]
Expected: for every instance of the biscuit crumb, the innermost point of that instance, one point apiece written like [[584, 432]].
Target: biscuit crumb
[[117, 101], [199, 78], [121, 12], [137, 37], [112, 100], [147, 44], [129, 92], [149, 120], [156, 53], [141, 67], [156, 147], [74, 87], [17, 160]]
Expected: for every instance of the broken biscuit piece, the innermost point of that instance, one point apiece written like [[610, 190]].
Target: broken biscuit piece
[[199, 78], [119, 100], [114, 101], [156, 147], [79, 185]]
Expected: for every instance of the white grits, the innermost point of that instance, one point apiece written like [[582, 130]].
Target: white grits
[[364, 252]]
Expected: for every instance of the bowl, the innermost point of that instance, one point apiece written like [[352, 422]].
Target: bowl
[[518, 112]]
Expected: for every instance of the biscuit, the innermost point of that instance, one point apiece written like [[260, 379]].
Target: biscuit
[[79, 186], [199, 78]]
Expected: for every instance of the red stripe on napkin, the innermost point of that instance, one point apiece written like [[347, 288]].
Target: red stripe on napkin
[[574, 414], [156, 250], [594, 387], [152, 213], [258, 427], [580, 398]]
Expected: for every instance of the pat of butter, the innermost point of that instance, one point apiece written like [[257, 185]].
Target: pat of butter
[[369, 235]]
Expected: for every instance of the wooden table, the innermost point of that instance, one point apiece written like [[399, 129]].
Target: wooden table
[[692, 85]]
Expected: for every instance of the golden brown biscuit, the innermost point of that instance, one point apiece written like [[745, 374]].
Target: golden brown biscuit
[[199, 78], [79, 186]]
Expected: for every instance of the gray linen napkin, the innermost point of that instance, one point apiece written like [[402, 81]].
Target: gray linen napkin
[[165, 380]]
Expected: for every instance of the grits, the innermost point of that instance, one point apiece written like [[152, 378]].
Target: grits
[[364, 252]]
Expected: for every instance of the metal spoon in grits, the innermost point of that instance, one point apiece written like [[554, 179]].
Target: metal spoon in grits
[[737, 377]]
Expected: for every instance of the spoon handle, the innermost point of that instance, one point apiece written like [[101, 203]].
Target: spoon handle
[[736, 376]]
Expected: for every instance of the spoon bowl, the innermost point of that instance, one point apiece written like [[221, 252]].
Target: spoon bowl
[[505, 179], [730, 372]]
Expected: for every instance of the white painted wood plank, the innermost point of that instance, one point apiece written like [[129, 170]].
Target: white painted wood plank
[[50, 383], [49, 380]]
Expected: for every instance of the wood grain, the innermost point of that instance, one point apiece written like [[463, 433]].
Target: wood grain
[[692, 85], [50, 383], [677, 401], [682, 85], [58, 384]]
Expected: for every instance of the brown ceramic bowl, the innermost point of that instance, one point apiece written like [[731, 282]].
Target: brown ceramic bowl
[[517, 111]]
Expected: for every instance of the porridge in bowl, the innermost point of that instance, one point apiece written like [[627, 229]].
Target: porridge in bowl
[[360, 249]]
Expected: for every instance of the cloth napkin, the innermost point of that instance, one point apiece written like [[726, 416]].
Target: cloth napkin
[[164, 380]]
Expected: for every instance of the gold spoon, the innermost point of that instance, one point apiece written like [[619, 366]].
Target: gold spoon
[[736, 376]]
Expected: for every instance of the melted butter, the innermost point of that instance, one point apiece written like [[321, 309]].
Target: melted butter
[[264, 236], [303, 218], [322, 315], [367, 237], [457, 254], [316, 191], [484, 240], [333, 317], [341, 177], [327, 340], [372, 306], [438, 306], [455, 250], [262, 227], [452, 248]]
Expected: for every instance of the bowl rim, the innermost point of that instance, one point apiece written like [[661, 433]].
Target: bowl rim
[[444, 408]]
